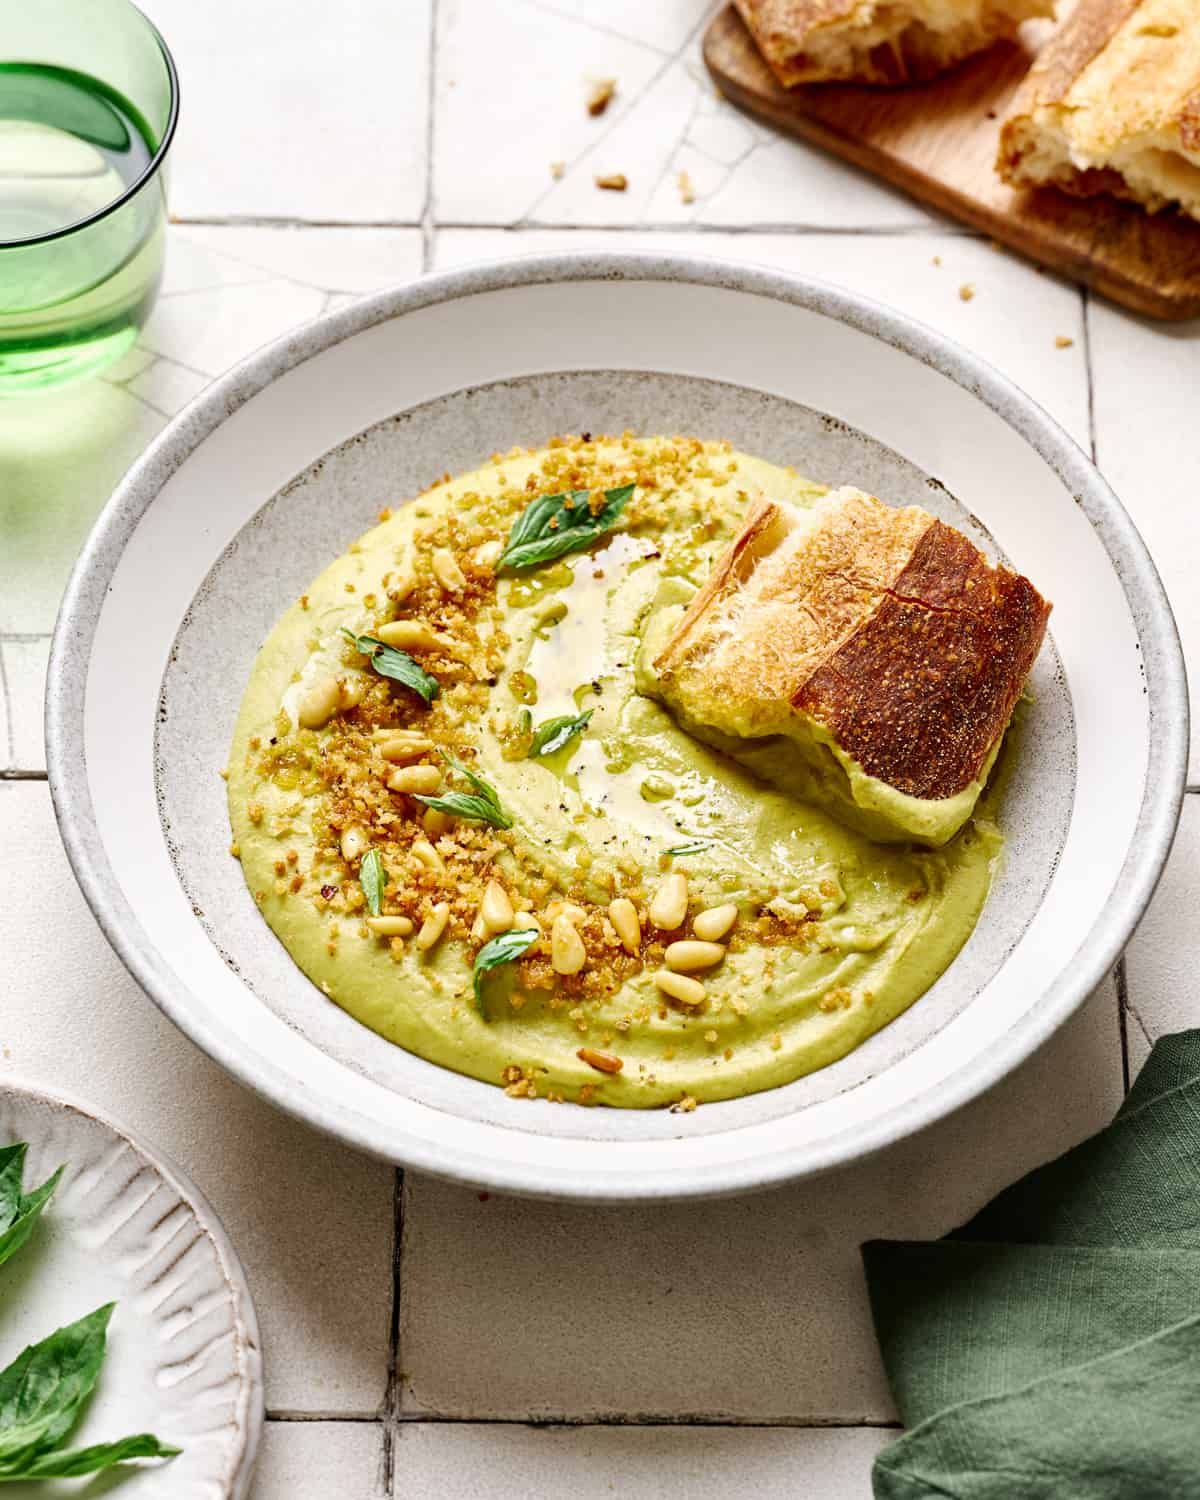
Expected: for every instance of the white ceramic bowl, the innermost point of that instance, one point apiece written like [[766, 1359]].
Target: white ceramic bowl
[[279, 464]]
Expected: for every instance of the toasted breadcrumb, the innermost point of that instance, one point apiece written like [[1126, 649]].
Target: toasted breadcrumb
[[557, 168], [600, 95], [613, 182], [1063, 342], [966, 291], [687, 193]]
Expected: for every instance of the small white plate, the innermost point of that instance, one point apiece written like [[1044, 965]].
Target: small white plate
[[277, 467], [183, 1356]]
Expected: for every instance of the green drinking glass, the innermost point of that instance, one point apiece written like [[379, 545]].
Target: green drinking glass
[[89, 98]]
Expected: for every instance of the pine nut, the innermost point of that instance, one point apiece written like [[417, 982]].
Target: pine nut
[[351, 691], [487, 555], [402, 582], [428, 855], [568, 909], [713, 924], [433, 926], [669, 907], [424, 779], [567, 953], [398, 749], [408, 635], [495, 908], [624, 917], [447, 571], [689, 992], [523, 921], [319, 703], [603, 1062], [478, 928], [354, 844], [691, 953], [435, 822], [390, 926]]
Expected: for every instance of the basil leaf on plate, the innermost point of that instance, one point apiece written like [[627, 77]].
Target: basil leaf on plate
[[553, 525], [373, 878], [481, 808], [500, 950], [19, 1211], [555, 733], [397, 665], [44, 1387], [73, 1462]]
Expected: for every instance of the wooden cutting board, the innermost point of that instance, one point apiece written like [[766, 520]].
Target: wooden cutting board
[[938, 141]]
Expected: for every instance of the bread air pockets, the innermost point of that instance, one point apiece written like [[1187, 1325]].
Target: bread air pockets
[[864, 657]]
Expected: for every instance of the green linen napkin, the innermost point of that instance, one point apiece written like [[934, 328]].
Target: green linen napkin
[[1051, 1346]]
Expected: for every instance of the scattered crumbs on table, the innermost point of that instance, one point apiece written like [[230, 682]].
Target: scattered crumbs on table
[[557, 168], [613, 182], [687, 193], [1063, 342], [966, 291], [600, 95]]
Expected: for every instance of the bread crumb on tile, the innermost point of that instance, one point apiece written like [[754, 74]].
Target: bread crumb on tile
[[600, 95], [966, 291], [1063, 342], [613, 182]]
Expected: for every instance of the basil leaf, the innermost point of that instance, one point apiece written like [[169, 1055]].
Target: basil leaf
[[464, 805], [19, 1211], [555, 733], [483, 808], [397, 665], [373, 878], [500, 950], [697, 846], [44, 1387], [87, 1460], [553, 525]]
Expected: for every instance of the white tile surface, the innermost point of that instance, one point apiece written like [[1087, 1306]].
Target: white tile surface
[[896, 268], [226, 291], [1148, 447], [647, 1463], [1162, 961], [296, 109], [511, 90], [329, 1460], [25, 675], [752, 1309], [311, 1221]]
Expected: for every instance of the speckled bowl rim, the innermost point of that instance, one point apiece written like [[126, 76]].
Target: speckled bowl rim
[[1114, 923], [251, 1412]]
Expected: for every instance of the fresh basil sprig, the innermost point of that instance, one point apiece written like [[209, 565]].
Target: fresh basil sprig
[[484, 807], [500, 950], [697, 846], [553, 525], [397, 665], [41, 1395], [555, 733], [373, 878], [19, 1211]]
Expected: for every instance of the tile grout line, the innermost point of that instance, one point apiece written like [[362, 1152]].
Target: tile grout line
[[392, 1391], [1121, 980], [524, 226], [539, 1424], [428, 224], [10, 749], [1086, 309]]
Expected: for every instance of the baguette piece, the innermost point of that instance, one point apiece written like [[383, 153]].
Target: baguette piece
[[868, 657], [878, 41], [1112, 105]]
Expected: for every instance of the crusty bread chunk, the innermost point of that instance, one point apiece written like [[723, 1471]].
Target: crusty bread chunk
[[878, 41], [881, 643], [1112, 105]]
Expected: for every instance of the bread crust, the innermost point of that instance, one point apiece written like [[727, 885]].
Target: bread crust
[[885, 626], [788, 32], [1118, 78]]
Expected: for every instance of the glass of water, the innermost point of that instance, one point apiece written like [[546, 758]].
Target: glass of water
[[88, 103]]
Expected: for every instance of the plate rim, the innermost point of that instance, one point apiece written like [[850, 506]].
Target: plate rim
[[1112, 925], [251, 1413]]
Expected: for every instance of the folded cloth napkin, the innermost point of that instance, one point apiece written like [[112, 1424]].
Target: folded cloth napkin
[[1051, 1346]]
